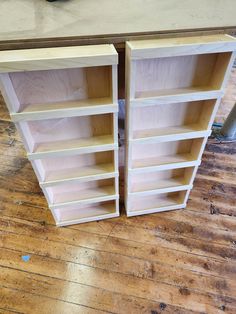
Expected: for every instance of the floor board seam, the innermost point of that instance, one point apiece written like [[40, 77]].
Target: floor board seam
[[123, 239], [41, 295], [111, 271]]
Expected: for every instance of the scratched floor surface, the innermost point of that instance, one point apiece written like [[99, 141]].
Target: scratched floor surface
[[176, 262]]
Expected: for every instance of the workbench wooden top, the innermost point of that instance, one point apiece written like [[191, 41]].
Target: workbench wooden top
[[112, 21]]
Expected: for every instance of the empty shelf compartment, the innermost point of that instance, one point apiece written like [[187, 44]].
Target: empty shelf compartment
[[63, 89], [165, 153], [158, 202], [155, 181], [180, 75], [79, 167], [79, 214], [68, 133], [79, 192], [172, 119]]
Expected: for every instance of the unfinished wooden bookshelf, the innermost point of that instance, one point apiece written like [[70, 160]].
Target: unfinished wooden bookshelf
[[173, 89], [64, 104]]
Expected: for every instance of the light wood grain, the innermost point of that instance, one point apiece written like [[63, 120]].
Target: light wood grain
[[65, 109], [75, 168], [172, 115], [154, 154], [174, 90], [83, 134], [74, 147], [31, 92], [74, 191], [164, 181], [175, 96], [71, 214], [184, 46], [174, 121], [57, 58], [154, 203], [53, 130], [166, 75], [64, 103]]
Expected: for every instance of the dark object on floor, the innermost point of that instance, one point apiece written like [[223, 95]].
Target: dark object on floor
[[162, 306]]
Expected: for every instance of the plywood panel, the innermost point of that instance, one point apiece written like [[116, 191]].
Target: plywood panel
[[57, 58], [74, 191], [161, 119], [69, 168], [72, 215], [174, 90], [64, 103], [159, 180], [166, 75]]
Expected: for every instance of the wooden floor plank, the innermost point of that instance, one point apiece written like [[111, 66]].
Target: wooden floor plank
[[164, 223], [213, 204], [156, 228], [199, 219], [4, 311], [23, 302], [80, 294], [152, 253], [169, 294], [142, 268]]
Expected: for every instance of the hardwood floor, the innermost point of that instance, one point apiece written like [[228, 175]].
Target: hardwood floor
[[175, 262]]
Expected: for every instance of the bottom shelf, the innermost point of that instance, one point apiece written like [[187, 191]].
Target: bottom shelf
[[140, 205], [69, 215]]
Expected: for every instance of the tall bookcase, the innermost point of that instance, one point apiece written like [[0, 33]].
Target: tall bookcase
[[173, 89], [64, 104]]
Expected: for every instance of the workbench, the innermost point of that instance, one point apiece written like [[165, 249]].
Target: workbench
[[38, 23]]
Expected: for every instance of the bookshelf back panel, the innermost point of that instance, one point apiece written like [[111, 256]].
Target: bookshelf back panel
[[139, 203], [154, 76], [66, 129], [70, 213], [74, 191], [151, 154], [160, 179], [43, 87], [70, 166], [172, 115]]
